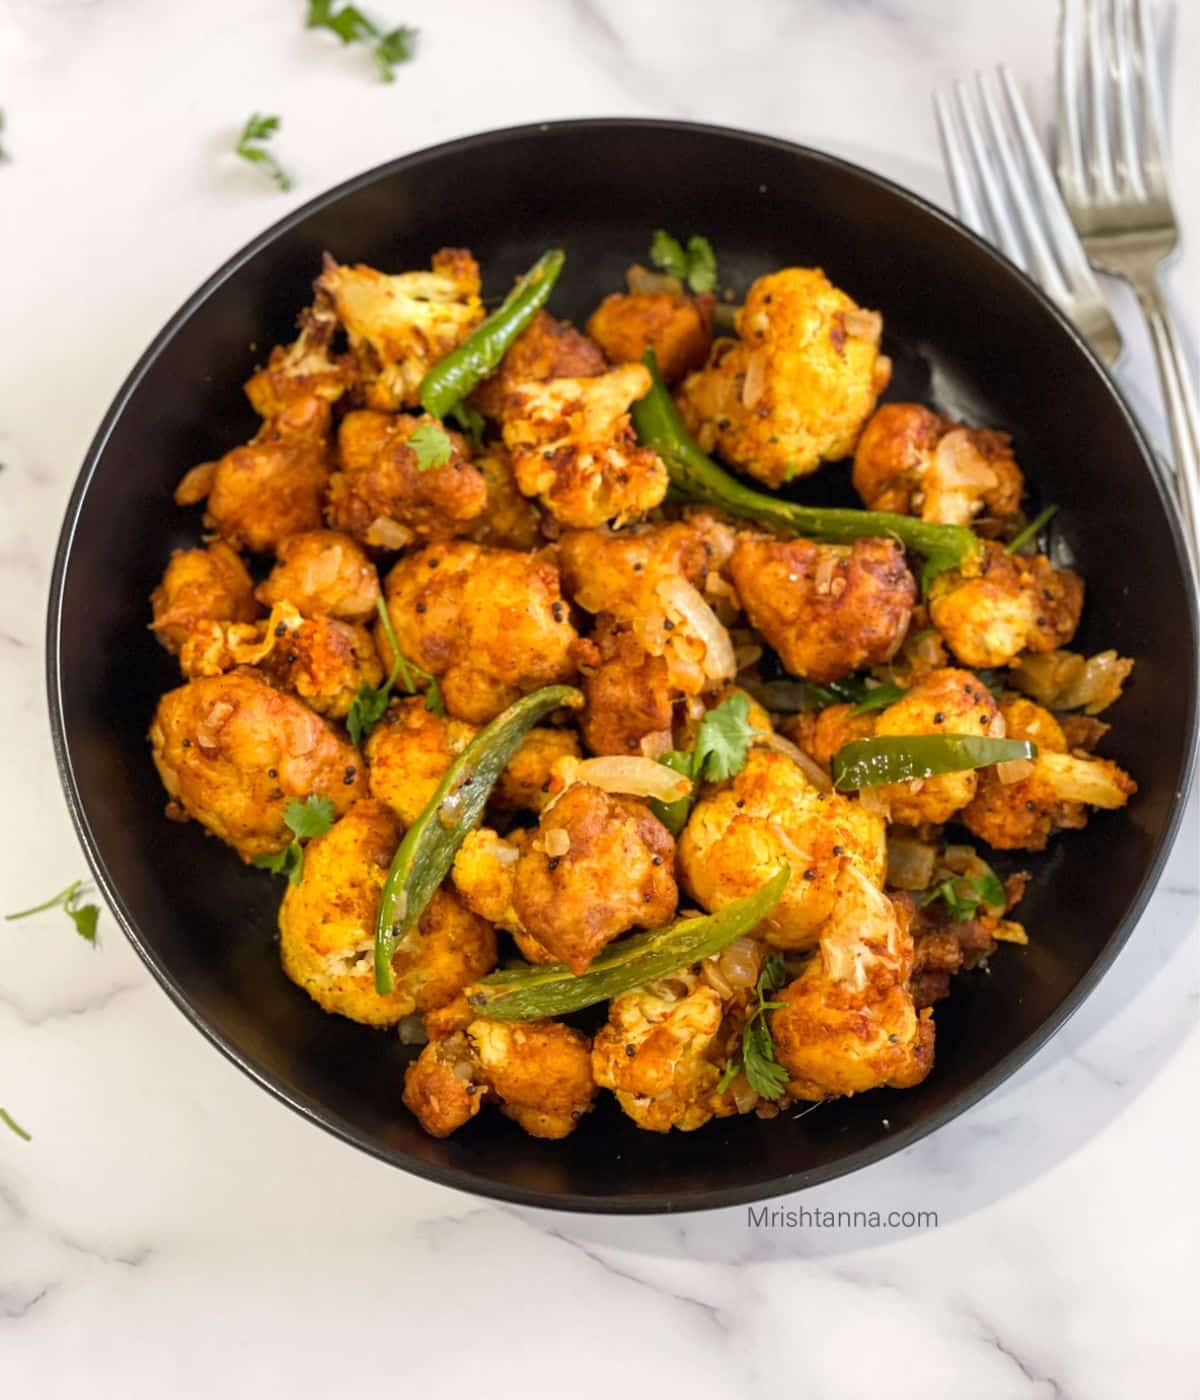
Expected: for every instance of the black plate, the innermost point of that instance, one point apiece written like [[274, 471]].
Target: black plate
[[965, 329]]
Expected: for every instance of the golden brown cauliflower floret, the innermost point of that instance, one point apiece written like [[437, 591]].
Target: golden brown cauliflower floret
[[327, 928], [827, 609], [820, 733], [306, 367], [1020, 807], [948, 701], [408, 753], [541, 1071], [769, 815], [914, 462], [546, 349], [400, 326], [444, 1086], [655, 580], [531, 779], [574, 448], [490, 623], [484, 872], [270, 488], [598, 866], [677, 327], [509, 520], [322, 573], [233, 752], [1018, 602], [848, 1023], [629, 698], [384, 497], [199, 586], [797, 387]]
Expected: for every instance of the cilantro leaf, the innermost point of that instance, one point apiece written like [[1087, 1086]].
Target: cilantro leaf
[[370, 704], [397, 46], [10, 1122], [666, 253], [312, 817], [352, 26], [85, 917], [702, 264], [432, 446], [964, 895], [765, 1075], [723, 739], [470, 420], [250, 147]]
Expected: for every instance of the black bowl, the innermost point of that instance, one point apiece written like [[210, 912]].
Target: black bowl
[[965, 330]]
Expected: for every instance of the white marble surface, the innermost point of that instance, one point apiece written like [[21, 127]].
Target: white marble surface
[[171, 1230]]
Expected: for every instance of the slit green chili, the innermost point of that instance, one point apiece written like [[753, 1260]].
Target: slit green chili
[[454, 376], [532, 993], [696, 476], [429, 846], [899, 758]]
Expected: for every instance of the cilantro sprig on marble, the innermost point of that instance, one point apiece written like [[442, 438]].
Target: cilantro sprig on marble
[[84, 916], [389, 47], [252, 147]]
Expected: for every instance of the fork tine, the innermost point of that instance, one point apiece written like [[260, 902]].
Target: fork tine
[[958, 167], [1100, 164], [1045, 268], [1004, 234], [1128, 164], [1070, 134], [1146, 76]]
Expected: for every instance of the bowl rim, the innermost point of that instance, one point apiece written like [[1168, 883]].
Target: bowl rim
[[457, 1178]]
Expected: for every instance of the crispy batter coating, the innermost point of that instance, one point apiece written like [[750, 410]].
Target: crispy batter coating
[[1018, 602], [408, 753], [740, 833], [541, 1071], [327, 928], [531, 779], [233, 752], [199, 586], [655, 579], [1052, 794], [322, 573], [848, 1023], [444, 1086], [598, 866], [305, 368], [629, 697], [827, 609], [797, 387], [574, 448], [491, 623], [677, 327], [272, 487], [546, 349], [484, 873], [913, 461], [383, 497], [400, 326], [510, 520]]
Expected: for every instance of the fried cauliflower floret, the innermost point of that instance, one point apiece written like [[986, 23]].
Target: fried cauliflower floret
[[322, 573], [848, 1023], [948, 701], [306, 368], [444, 1086], [408, 753], [1050, 794], [531, 779], [510, 520], [598, 866], [546, 349], [573, 447], [400, 326], [233, 752], [677, 327], [655, 579], [199, 586], [384, 497], [820, 733], [913, 461], [484, 873], [541, 1071], [490, 623], [739, 835], [271, 487], [660, 1053], [796, 388], [327, 928], [629, 698], [1018, 602], [827, 609]]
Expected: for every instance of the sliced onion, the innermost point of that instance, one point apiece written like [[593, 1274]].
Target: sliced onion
[[756, 379], [744, 1097], [639, 777], [741, 962], [640, 280], [556, 842], [1009, 931], [411, 1030], [809, 766], [386, 533], [866, 325], [678, 595], [1065, 680], [505, 853], [910, 863], [212, 724], [828, 563], [1015, 770], [323, 568], [960, 463]]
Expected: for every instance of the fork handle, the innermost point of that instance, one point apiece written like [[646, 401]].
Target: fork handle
[[1182, 414]]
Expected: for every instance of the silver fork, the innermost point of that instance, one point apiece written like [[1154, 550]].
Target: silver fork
[[1112, 172], [1004, 191]]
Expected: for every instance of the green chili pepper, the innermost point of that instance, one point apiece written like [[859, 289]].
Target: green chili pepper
[[531, 993], [699, 478], [1032, 530], [899, 758], [454, 376], [429, 846]]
